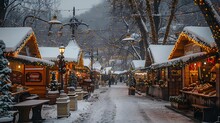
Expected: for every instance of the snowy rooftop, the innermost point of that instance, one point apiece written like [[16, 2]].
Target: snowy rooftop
[[202, 34], [87, 62], [72, 51], [138, 64], [160, 53], [97, 66], [49, 53], [182, 59], [14, 36], [120, 72], [106, 70]]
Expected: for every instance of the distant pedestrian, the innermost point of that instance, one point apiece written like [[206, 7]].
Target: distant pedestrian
[[109, 83], [120, 78], [112, 80]]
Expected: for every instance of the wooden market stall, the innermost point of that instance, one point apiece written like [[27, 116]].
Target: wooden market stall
[[83, 72], [196, 54], [28, 69], [158, 77], [71, 57]]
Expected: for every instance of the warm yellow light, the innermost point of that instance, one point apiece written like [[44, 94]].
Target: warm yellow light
[[62, 49], [19, 66], [205, 63], [8, 63], [195, 64]]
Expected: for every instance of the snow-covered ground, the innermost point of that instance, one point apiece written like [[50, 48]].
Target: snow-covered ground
[[114, 105]]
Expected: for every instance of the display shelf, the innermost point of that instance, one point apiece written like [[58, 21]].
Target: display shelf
[[198, 94]]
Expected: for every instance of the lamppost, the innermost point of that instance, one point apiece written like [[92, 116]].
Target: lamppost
[[73, 23], [62, 66], [51, 22], [131, 40]]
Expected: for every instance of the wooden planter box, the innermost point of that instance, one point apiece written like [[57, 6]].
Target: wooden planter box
[[131, 91], [178, 106]]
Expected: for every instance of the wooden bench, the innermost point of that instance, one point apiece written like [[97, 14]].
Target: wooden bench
[[25, 107], [203, 113]]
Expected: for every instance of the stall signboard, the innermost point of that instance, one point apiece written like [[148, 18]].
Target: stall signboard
[[34, 76]]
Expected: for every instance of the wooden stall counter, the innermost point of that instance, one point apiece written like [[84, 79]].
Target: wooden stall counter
[[160, 92]]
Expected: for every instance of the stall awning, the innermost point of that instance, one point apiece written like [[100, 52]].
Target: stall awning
[[30, 60], [183, 60]]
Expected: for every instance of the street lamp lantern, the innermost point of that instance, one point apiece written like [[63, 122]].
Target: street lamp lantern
[[51, 22], [54, 20], [62, 65], [62, 49]]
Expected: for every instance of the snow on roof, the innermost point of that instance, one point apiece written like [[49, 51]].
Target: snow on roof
[[128, 39], [182, 59], [120, 72], [202, 34], [14, 36], [30, 60], [138, 64], [49, 53], [35, 60], [72, 51], [87, 62], [106, 70], [160, 53], [97, 66]]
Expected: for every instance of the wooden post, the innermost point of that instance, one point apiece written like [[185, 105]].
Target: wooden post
[[218, 86]]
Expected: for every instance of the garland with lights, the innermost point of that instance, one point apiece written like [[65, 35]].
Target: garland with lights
[[212, 18], [192, 38], [27, 38], [180, 63], [23, 61]]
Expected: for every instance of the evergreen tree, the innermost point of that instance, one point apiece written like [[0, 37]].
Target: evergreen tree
[[53, 83], [6, 99], [72, 80]]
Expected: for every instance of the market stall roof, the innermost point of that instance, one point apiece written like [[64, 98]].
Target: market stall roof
[[71, 54], [120, 72], [20, 40], [97, 66], [181, 60], [30, 60], [138, 64], [200, 36], [72, 51], [106, 70], [87, 62], [160, 53]]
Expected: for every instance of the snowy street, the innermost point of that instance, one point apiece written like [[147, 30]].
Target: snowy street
[[114, 105]]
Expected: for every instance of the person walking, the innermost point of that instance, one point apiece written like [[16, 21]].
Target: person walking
[[109, 82]]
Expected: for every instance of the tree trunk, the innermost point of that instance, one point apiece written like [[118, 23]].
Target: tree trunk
[[173, 7], [143, 30], [156, 15], [152, 24], [211, 17], [3, 9]]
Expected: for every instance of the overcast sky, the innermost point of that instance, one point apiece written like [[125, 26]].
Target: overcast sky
[[80, 5]]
